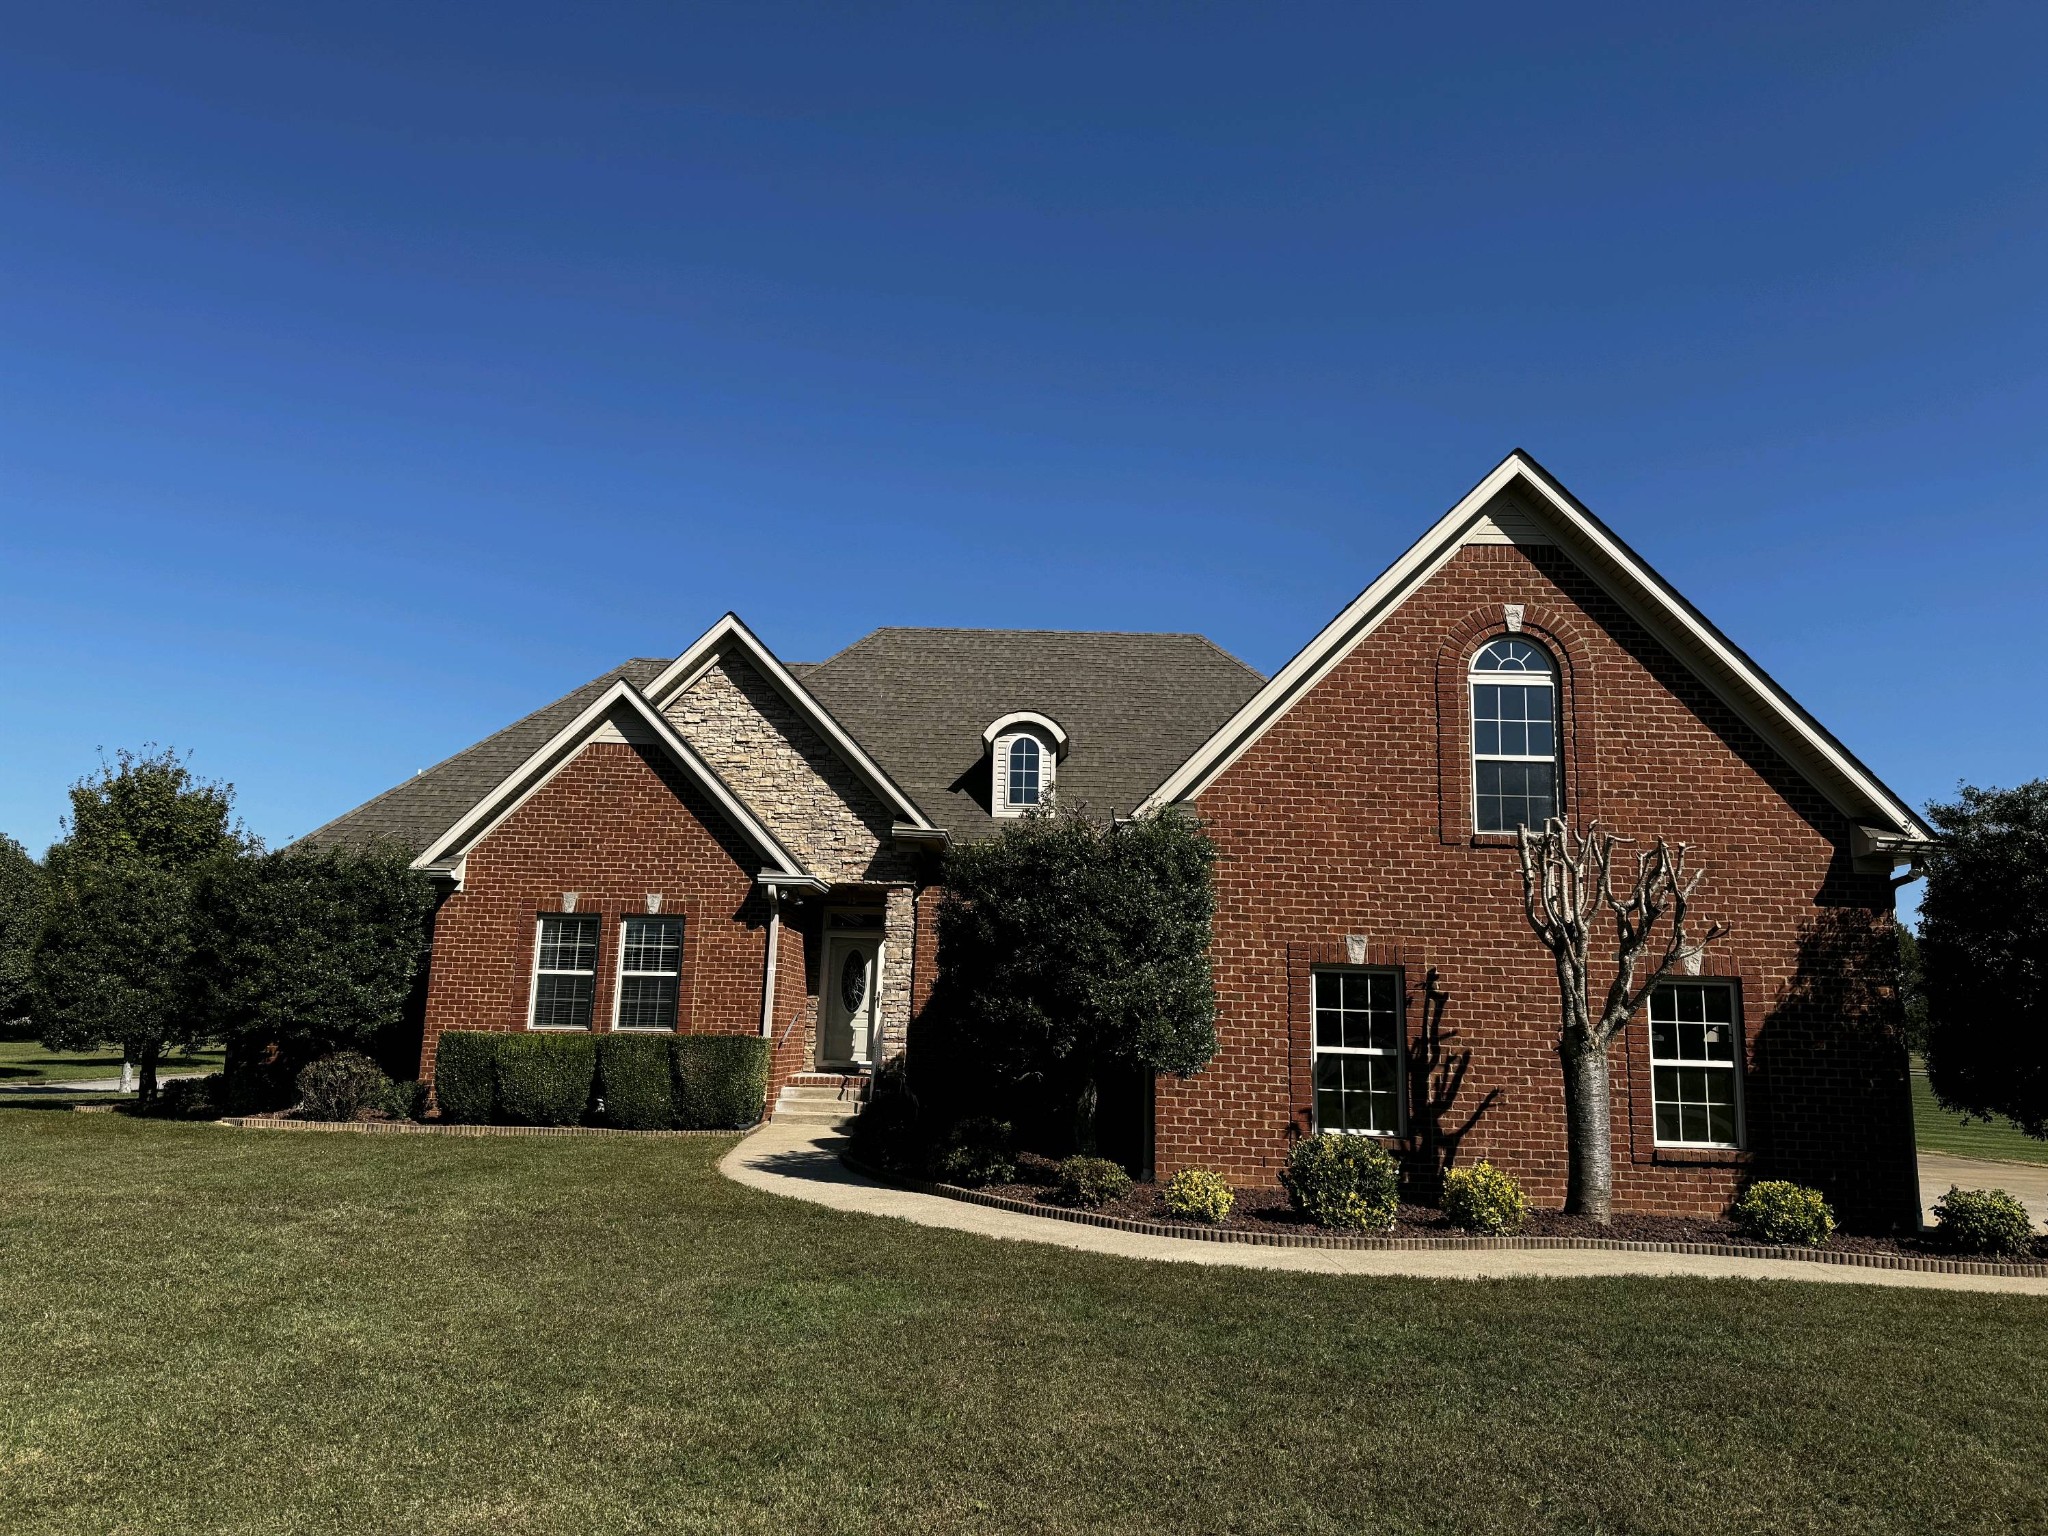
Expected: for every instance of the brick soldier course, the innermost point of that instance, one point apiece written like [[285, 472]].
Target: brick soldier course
[[762, 801]]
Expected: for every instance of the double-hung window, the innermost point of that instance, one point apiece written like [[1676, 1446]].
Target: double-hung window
[[1514, 737], [1357, 1051], [650, 965], [1695, 1071], [564, 972]]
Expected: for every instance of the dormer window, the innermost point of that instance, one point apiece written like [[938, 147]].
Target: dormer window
[[1024, 750]]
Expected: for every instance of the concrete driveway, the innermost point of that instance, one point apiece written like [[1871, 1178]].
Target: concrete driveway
[[2027, 1182]]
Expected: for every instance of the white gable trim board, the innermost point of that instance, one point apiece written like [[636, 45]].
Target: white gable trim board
[[619, 714], [1518, 502], [730, 633]]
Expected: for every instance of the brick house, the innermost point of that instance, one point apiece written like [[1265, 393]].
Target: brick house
[[727, 842]]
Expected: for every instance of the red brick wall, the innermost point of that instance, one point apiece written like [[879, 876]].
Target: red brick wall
[[1351, 816], [614, 825]]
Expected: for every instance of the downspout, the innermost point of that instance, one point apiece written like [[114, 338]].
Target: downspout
[[768, 975]]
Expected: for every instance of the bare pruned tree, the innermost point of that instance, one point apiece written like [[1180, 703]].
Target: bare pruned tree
[[1568, 887]]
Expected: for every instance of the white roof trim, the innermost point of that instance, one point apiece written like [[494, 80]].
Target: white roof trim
[[1026, 717], [520, 785], [730, 631], [1645, 595]]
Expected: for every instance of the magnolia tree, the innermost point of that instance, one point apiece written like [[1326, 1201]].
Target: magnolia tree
[[1569, 890]]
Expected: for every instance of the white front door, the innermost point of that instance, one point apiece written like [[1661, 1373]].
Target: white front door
[[849, 987]]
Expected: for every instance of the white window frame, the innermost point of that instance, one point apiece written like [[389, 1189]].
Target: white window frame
[[1000, 803], [1474, 678], [619, 980], [1733, 1066], [533, 982], [1399, 1052]]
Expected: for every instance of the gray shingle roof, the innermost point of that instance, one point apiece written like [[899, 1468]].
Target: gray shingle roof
[[1134, 707], [429, 803]]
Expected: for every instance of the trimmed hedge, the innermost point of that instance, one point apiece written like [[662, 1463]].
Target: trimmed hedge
[[545, 1079], [634, 1082], [466, 1075], [721, 1081]]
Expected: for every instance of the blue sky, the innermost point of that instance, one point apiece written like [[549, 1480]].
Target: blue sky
[[370, 375]]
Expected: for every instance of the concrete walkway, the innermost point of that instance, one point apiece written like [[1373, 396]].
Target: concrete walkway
[[802, 1163], [113, 1085], [2025, 1182]]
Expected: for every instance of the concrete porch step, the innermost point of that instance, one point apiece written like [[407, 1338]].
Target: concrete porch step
[[821, 1098]]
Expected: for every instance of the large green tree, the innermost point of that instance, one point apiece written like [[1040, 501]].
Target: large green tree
[[310, 950], [1984, 953], [21, 920], [1068, 948], [110, 964]]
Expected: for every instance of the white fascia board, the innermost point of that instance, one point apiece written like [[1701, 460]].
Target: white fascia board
[[519, 786], [1645, 595], [687, 668]]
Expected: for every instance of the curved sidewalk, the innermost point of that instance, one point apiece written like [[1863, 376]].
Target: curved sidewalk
[[801, 1162]]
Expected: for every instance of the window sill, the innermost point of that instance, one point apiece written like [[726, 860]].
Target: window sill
[[1701, 1157], [642, 1029], [558, 1029]]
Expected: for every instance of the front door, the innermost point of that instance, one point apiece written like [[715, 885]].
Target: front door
[[849, 987]]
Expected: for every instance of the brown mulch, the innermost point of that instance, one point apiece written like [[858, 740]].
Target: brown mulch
[[1267, 1210]]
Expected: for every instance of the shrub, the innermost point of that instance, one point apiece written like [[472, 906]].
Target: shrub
[[336, 1087], [1090, 1181], [977, 1152], [192, 1098], [634, 1083], [1483, 1199], [1347, 1182], [721, 1081], [890, 1132], [1983, 1221], [405, 1100], [1775, 1211], [1195, 1194], [545, 1079], [466, 1075]]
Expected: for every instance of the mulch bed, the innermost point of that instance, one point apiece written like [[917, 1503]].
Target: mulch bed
[[1267, 1211]]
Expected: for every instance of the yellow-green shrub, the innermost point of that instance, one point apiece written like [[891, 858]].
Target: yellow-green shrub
[[1342, 1181], [1777, 1211], [1195, 1194], [1483, 1199]]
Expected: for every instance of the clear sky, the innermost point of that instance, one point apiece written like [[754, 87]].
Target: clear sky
[[370, 375]]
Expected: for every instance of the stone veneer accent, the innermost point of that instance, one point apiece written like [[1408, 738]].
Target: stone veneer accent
[[899, 936], [788, 774]]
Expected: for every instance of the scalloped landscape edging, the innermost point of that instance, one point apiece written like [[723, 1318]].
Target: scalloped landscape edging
[[414, 1128], [1444, 1244]]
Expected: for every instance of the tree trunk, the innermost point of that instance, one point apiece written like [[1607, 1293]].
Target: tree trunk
[[1589, 1130], [145, 1091], [1085, 1097]]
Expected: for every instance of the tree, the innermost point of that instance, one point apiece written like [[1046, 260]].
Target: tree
[[309, 951], [110, 962], [1567, 885], [21, 920], [1068, 948], [1984, 954]]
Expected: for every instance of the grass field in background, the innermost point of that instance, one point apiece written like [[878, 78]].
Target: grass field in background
[[1942, 1130], [25, 1061], [256, 1332]]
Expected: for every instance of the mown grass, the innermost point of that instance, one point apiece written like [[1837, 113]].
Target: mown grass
[[222, 1331], [25, 1061], [1943, 1130]]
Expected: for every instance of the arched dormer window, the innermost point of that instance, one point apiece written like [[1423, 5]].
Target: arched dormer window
[[1024, 750], [1514, 736], [1020, 789]]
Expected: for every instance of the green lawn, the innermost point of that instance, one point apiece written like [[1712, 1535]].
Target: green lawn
[[1941, 1130], [25, 1061], [221, 1331]]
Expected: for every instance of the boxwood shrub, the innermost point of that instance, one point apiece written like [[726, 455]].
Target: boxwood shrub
[[1485, 1200], [545, 1079], [1346, 1182], [1195, 1194], [721, 1081], [340, 1086], [466, 1075], [1090, 1181], [1983, 1221], [635, 1083], [1778, 1211]]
